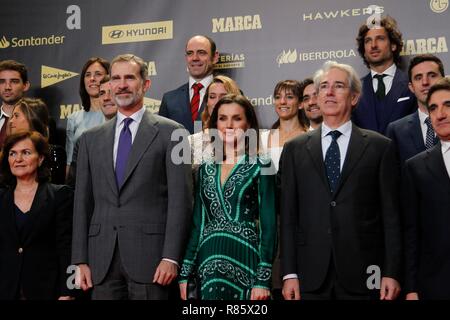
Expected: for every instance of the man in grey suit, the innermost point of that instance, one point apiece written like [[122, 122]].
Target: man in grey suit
[[340, 214], [184, 104], [133, 204]]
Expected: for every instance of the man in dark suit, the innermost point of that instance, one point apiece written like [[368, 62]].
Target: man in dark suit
[[414, 133], [132, 202], [184, 104], [13, 85], [385, 94], [339, 202], [426, 204]]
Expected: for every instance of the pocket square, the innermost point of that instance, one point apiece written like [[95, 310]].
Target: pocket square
[[403, 99]]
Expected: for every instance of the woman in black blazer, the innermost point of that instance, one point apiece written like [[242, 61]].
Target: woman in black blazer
[[35, 223]]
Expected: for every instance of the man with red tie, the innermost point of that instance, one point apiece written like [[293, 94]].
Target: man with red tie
[[184, 104], [13, 84]]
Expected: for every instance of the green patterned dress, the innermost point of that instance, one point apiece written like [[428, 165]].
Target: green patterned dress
[[233, 240]]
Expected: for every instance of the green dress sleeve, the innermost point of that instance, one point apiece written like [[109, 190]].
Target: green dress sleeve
[[267, 226], [188, 264]]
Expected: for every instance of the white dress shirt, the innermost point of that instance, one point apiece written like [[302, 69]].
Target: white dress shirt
[[137, 117], [205, 82], [390, 73], [2, 117], [446, 155], [342, 141], [423, 125]]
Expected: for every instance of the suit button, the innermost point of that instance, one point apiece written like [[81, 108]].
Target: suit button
[[20, 250], [333, 203], [114, 228]]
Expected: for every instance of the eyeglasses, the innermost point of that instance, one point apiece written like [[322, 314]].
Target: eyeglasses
[[337, 87]]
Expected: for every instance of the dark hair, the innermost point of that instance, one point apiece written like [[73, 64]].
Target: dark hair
[[85, 98], [15, 66], [394, 34], [296, 88], [441, 84], [128, 57], [249, 111], [422, 58], [40, 144], [230, 86], [105, 79], [36, 113], [306, 82]]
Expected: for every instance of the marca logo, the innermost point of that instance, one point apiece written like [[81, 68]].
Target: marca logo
[[230, 61], [149, 31], [237, 23], [66, 110], [291, 56], [355, 12], [51, 75], [31, 41], [152, 104], [438, 6], [421, 46]]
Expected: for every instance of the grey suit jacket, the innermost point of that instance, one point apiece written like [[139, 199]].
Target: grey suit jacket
[[149, 216]]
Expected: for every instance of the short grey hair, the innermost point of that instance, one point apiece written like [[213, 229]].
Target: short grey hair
[[128, 57], [353, 79]]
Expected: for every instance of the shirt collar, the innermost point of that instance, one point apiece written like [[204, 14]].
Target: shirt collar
[[137, 116], [205, 81], [445, 145], [345, 129], [422, 116], [3, 113], [389, 71]]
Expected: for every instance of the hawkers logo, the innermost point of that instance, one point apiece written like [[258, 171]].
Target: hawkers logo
[[438, 6], [116, 34]]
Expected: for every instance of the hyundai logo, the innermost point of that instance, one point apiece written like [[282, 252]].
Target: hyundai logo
[[116, 34]]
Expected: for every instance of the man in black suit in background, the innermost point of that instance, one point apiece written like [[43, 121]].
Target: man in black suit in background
[[184, 104], [385, 94], [414, 133], [339, 202], [426, 204]]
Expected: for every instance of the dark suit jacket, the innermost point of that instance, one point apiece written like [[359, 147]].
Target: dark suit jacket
[[407, 136], [39, 259], [426, 209], [176, 105], [374, 114], [149, 216], [357, 226]]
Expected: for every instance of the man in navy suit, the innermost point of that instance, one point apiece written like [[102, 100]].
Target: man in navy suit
[[410, 133], [426, 204], [385, 94], [178, 104]]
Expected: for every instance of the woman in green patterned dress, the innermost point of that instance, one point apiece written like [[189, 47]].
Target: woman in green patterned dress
[[233, 237]]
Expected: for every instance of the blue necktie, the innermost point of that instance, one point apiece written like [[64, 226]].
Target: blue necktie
[[430, 139], [123, 151], [333, 161]]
